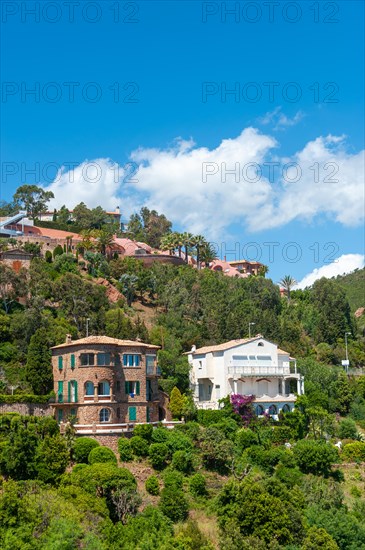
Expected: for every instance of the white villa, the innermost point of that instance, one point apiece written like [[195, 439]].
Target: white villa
[[252, 366]]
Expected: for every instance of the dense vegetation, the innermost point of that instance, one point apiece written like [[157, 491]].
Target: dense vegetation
[[221, 479]]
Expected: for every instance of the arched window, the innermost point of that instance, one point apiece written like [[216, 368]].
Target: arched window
[[104, 388], [104, 415], [260, 344], [286, 408], [259, 410], [89, 388], [273, 409]]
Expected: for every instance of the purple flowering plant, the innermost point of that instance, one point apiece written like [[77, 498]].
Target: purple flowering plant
[[242, 405]]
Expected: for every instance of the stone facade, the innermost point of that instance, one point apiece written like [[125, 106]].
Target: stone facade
[[25, 409], [94, 380]]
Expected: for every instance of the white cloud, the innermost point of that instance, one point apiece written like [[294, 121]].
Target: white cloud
[[95, 182], [280, 120], [344, 264], [194, 186]]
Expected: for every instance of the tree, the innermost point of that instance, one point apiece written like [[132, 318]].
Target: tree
[[82, 448], [288, 282], [101, 454], [33, 199], [174, 504], [39, 367], [51, 458], [318, 538], [158, 454], [176, 403], [128, 285], [11, 286], [315, 457]]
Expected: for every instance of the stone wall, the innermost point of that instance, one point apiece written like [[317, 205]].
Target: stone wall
[[32, 409]]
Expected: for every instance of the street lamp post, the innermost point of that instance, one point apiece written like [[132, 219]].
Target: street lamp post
[[347, 354], [249, 328]]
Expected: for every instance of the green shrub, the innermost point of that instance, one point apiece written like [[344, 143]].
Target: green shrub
[[191, 429], [354, 452], [198, 485], [144, 431], [208, 417], [228, 426], [177, 441], [347, 429], [174, 504], [102, 454], [315, 457], [139, 446], [159, 455], [152, 486], [125, 449], [82, 448], [182, 461], [160, 435], [245, 438], [172, 478]]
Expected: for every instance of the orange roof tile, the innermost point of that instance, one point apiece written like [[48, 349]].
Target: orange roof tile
[[104, 340]]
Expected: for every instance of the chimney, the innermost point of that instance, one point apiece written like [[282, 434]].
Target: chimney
[[117, 210], [193, 348], [68, 339]]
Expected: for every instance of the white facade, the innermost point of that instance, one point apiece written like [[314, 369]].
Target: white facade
[[247, 367]]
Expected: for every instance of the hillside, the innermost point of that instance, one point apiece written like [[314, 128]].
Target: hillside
[[354, 286]]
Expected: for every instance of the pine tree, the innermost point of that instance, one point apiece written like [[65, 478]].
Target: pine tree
[[39, 367], [177, 402]]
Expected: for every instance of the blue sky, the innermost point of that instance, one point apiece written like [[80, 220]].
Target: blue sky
[[158, 71]]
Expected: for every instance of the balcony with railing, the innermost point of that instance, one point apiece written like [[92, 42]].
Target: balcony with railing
[[261, 370]]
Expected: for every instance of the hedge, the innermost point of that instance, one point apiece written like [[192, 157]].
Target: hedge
[[25, 398]]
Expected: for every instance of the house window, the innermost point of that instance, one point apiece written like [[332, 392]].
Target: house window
[[104, 388], [89, 388], [148, 414], [60, 362], [132, 414], [200, 364], [72, 391], [73, 412], [273, 409], [72, 360], [87, 359], [260, 344], [252, 357], [264, 357], [132, 388], [150, 360], [259, 410], [286, 408], [104, 415], [103, 359], [131, 360], [60, 415]]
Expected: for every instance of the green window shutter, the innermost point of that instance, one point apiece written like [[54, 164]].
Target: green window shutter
[[60, 415], [137, 387], [132, 414], [60, 362], [75, 391], [60, 392], [127, 387], [72, 361], [137, 360], [148, 416], [69, 392]]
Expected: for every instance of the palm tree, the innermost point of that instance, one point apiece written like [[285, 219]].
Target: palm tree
[[187, 243], [168, 243], [105, 240], [207, 253], [287, 283], [198, 241], [88, 242]]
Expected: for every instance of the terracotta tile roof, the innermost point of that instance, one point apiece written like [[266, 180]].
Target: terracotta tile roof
[[224, 346], [104, 340], [227, 269], [282, 352], [35, 231], [131, 246]]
